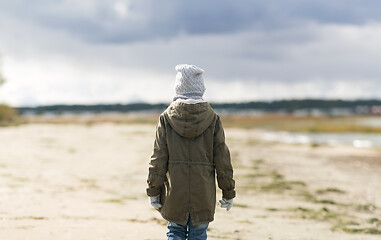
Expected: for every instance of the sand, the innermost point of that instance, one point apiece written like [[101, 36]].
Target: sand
[[63, 181]]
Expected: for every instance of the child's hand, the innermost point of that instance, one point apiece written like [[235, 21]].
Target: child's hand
[[155, 202], [226, 203]]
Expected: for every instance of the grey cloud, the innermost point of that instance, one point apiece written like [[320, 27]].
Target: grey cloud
[[296, 54], [338, 11], [97, 21]]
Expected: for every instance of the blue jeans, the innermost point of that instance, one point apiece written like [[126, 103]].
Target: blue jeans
[[179, 232]]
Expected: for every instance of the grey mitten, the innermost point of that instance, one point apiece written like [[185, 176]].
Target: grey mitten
[[226, 203], [155, 202]]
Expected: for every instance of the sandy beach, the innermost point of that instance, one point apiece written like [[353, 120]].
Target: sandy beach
[[78, 181]]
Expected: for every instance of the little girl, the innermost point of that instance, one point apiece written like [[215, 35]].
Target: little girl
[[189, 149]]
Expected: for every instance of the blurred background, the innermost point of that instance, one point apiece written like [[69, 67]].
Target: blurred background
[[304, 75], [307, 58]]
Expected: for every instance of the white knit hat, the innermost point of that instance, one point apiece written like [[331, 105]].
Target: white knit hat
[[189, 82]]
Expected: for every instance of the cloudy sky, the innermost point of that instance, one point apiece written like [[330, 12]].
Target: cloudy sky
[[107, 51]]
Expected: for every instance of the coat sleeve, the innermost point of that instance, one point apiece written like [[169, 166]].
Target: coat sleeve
[[159, 161], [221, 156]]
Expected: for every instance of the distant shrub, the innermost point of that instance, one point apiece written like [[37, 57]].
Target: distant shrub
[[7, 114]]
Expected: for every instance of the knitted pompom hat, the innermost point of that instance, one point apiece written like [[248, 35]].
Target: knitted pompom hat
[[189, 82]]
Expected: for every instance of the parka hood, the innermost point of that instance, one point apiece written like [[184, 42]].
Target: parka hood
[[189, 120]]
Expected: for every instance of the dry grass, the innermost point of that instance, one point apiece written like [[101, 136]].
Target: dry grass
[[300, 124], [345, 217], [8, 115], [118, 118], [279, 122]]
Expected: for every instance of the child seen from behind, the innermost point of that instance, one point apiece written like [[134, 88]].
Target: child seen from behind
[[189, 150]]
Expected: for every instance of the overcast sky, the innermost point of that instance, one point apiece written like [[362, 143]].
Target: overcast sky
[[106, 51]]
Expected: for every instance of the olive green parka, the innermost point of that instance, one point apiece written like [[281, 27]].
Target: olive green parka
[[188, 150]]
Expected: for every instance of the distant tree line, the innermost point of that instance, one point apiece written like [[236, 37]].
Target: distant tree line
[[95, 108], [292, 105], [267, 106]]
